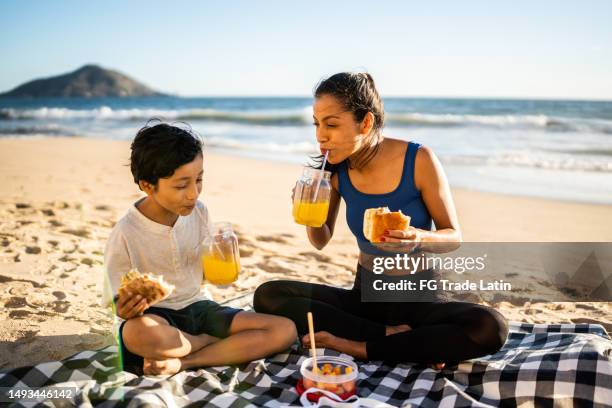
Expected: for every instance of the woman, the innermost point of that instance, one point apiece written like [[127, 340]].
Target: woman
[[369, 171]]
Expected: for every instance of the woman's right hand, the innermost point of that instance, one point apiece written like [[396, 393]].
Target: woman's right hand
[[130, 305]]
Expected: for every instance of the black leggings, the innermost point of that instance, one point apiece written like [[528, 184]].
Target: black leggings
[[441, 331]]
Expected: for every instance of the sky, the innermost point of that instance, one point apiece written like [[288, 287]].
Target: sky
[[518, 49]]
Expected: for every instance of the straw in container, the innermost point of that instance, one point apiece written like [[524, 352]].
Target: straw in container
[[314, 199], [313, 348]]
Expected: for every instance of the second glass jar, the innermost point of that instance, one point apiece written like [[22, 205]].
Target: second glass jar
[[220, 255]]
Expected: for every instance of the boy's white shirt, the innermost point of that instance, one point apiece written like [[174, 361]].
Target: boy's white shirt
[[153, 248]]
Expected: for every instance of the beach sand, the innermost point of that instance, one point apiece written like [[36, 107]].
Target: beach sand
[[60, 197]]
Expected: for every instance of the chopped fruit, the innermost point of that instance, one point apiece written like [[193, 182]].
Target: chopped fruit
[[335, 388], [332, 371], [349, 386]]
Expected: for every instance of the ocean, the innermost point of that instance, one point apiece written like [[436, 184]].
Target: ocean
[[541, 148]]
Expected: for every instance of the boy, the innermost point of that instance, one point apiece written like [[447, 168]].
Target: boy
[[160, 235]]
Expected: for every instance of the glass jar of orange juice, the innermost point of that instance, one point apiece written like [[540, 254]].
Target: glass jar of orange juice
[[220, 255], [311, 197]]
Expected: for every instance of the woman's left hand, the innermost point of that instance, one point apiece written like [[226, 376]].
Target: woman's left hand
[[402, 241]]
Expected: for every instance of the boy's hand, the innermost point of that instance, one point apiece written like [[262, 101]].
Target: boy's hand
[[130, 305]]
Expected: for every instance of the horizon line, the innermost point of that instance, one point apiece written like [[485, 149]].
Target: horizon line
[[254, 96], [537, 98]]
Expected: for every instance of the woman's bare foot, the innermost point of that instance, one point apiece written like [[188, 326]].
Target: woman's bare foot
[[162, 367], [323, 339], [389, 330], [327, 340]]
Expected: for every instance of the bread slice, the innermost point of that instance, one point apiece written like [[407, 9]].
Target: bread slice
[[377, 220], [151, 287]]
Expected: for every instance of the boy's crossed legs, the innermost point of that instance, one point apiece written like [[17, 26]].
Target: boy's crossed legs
[[168, 350]]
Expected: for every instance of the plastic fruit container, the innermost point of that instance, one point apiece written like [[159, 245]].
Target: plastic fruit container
[[335, 374]]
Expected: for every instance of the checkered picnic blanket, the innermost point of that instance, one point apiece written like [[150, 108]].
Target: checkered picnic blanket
[[541, 365]]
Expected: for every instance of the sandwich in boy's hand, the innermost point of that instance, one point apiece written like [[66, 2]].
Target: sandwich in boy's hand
[[378, 220], [151, 287]]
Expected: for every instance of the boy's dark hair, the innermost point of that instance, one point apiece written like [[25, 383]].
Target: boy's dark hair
[[158, 150]]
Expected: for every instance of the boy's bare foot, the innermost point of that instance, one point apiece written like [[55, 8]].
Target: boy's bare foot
[[389, 330], [162, 367]]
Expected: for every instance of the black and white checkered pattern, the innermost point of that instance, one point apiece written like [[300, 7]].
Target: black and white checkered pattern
[[541, 365]]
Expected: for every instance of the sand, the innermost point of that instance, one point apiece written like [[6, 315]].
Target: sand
[[60, 197]]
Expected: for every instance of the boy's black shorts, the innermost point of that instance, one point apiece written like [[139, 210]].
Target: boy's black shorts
[[204, 316]]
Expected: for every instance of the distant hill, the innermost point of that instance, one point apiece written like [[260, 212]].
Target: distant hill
[[87, 81]]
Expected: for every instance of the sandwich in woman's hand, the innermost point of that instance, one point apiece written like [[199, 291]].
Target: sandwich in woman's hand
[[378, 220], [151, 287]]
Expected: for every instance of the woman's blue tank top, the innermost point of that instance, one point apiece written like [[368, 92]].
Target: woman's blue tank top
[[405, 197]]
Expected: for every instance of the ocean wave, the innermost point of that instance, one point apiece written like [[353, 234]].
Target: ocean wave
[[288, 117], [270, 147], [518, 159], [533, 161], [302, 117], [36, 130], [585, 151], [501, 121]]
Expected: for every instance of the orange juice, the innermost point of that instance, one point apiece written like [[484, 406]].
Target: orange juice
[[219, 271], [310, 214]]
